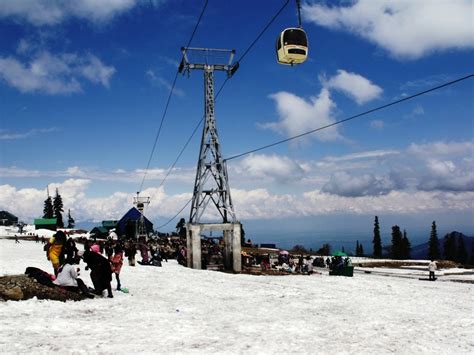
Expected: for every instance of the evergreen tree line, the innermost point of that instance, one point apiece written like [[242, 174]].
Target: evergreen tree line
[[54, 208], [400, 248], [455, 249]]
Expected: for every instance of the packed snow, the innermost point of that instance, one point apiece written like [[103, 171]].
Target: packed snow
[[173, 309]]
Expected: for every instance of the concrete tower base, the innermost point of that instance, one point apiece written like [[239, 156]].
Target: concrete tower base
[[232, 244]]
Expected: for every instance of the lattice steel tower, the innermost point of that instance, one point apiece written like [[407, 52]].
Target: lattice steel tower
[[211, 184]]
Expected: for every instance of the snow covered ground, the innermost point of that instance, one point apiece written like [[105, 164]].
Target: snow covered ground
[[179, 310]]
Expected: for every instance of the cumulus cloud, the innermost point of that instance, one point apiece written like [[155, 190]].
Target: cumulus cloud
[[405, 28], [54, 74], [297, 115], [438, 166], [269, 167], [50, 12], [354, 85], [344, 184], [431, 177]]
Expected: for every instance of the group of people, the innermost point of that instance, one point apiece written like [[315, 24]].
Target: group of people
[[338, 262], [104, 258], [65, 258], [302, 266]]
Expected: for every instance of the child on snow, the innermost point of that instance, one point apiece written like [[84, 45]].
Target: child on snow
[[116, 262]]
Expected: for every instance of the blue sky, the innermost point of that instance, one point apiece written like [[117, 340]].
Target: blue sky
[[83, 86]]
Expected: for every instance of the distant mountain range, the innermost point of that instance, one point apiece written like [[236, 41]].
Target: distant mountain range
[[421, 251]]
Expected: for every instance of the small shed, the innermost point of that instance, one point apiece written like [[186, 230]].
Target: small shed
[[99, 233], [8, 219], [46, 223]]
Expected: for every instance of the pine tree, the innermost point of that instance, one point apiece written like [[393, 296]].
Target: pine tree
[[433, 243], [471, 259], [58, 209], [70, 221], [449, 243], [361, 250], [405, 246], [461, 252], [357, 248], [396, 242], [48, 211], [181, 228], [377, 241]]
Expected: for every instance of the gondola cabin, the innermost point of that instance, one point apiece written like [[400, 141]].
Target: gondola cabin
[[292, 46]]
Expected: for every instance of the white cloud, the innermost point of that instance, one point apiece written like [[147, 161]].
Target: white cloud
[[50, 12], [431, 177], [269, 167], [362, 155], [354, 85], [349, 185], [160, 82], [5, 135], [405, 28], [377, 124], [54, 74], [297, 115], [442, 149]]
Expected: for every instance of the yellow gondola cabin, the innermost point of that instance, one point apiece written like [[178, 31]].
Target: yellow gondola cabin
[[292, 46]]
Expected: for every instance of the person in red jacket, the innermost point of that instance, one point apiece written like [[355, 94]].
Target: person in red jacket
[[116, 262]]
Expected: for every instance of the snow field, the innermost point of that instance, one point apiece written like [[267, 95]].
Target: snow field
[[179, 310]]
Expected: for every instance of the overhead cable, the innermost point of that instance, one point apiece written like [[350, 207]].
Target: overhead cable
[[168, 101], [352, 117], [221, 88]]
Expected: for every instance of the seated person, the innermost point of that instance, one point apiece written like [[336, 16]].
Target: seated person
[[68, 277]]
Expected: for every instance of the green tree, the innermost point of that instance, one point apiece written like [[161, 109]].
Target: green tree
[[48, 211], [70, 221], [181, 228], [396, 250], [433, 243], [405, 246], [461, 252], [471, 259], [449, 243], [299, 249], [359, 249], [377, 241], [324, 250], [58, 209]]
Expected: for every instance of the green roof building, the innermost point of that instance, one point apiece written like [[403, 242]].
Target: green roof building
[[45, 223]]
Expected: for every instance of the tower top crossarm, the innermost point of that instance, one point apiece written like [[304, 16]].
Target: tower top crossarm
[[208, 58]]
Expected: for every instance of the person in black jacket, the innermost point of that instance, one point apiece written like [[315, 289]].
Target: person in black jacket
[[101, 272]]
